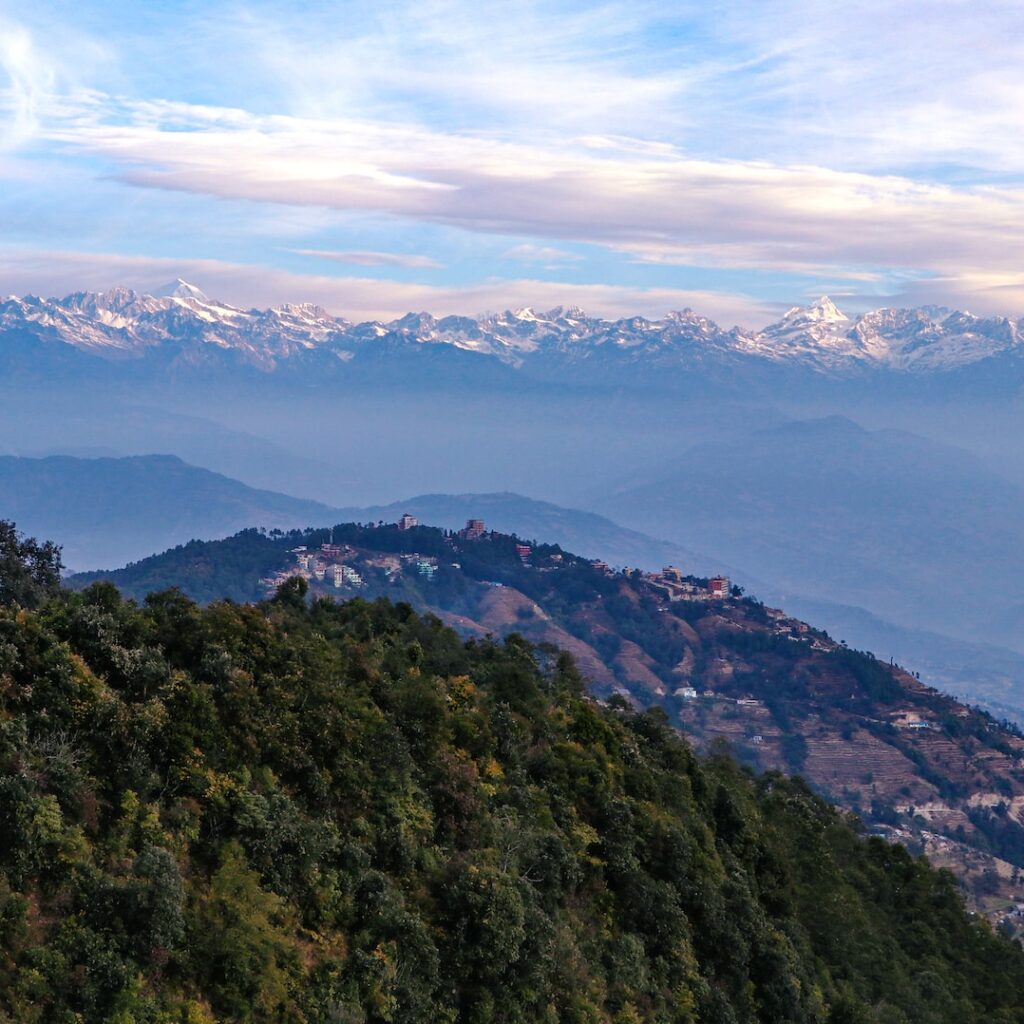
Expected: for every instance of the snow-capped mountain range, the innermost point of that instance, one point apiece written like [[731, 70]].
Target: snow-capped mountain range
[[184, 325]]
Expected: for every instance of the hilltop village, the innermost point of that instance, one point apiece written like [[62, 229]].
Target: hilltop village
[[339, 565]]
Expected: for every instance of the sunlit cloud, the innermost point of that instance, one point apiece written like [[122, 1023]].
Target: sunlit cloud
[[26, 78], [527, 252], [36, 69], [52, 273], [372, 259], [713, 213]]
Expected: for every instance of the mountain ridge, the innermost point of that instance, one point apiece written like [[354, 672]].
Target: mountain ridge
[[990, 675], [121, 324]]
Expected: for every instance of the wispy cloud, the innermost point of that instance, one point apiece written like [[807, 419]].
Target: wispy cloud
[[712, 213], [372, 259], [552, 64], [527, 252], [880, 84], [26, 78], [358, 298], [36, 67]]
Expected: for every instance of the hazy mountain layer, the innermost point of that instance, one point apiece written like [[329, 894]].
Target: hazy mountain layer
[[920, 533], [115, 510]]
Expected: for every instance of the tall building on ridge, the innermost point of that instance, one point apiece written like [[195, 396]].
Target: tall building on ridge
[[473, 530], [407, 522], [330, 549]]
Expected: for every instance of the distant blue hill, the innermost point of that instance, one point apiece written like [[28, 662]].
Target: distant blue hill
[[109, 511]]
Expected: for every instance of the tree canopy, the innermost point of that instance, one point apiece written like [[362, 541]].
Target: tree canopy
[[29, 570], [331, 814]]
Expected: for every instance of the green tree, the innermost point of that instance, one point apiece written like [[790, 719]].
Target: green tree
[[29, 570], [241, 944]]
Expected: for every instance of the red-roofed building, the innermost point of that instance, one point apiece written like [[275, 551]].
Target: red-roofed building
[[473, 530]]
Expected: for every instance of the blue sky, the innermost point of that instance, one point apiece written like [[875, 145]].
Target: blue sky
[[625, 157]]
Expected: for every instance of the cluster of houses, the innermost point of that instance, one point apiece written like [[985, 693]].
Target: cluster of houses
[[692, 693], [674, 585], [473, 530], [784, 625], [329, 564]]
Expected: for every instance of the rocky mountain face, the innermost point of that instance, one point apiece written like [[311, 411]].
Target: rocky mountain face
[[183, 325], [121, 323]]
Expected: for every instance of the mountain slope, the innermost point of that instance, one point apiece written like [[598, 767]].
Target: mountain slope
[[113, 510], [980, 673], [867, 734], [341, 814], [122, 513]]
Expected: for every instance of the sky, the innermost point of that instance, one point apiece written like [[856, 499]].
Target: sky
[[630, 158]]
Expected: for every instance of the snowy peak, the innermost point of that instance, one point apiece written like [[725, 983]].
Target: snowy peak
[[924, 340], [179, 289], [185, 325], [822, 311]]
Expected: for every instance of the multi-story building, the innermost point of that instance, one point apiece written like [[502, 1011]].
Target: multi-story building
[[719, 586], [473, 530], [407, 522], [345, 574]]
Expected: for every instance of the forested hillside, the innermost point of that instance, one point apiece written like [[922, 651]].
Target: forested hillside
[[914, 764], [347, 813]]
